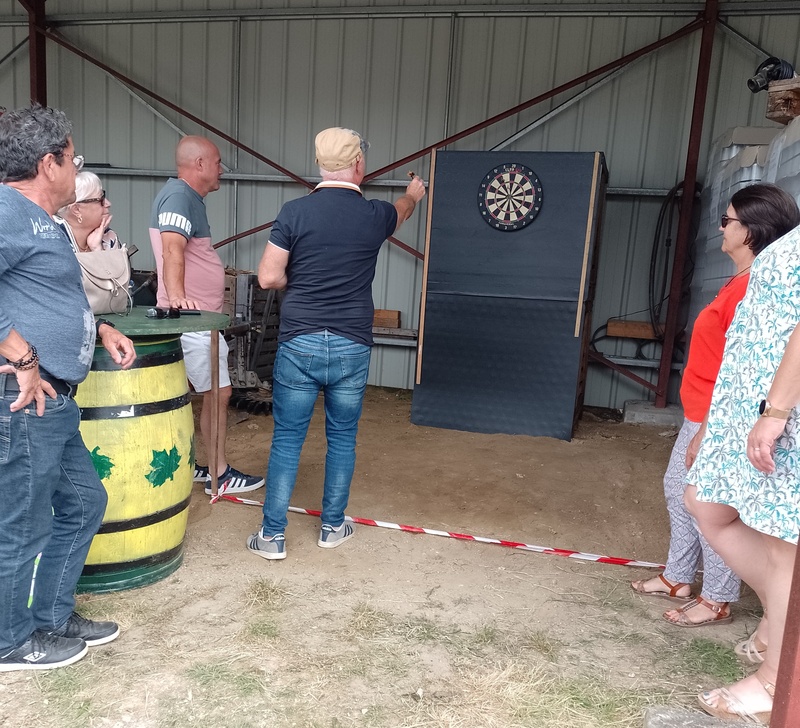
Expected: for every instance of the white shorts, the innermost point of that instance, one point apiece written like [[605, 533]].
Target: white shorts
[[197, 358]]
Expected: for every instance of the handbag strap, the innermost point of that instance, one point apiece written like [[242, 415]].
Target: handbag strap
[[65, 226]]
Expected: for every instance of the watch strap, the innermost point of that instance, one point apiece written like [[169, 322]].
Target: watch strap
[[99, 322], [767, 410]]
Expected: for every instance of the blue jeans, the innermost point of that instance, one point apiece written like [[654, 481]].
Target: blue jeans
[[52, 504], [304, 366]]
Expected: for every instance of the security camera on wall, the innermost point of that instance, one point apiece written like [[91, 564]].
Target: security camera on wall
[[773, 69]]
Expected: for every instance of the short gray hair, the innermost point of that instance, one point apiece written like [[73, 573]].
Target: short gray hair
[[26, 136]]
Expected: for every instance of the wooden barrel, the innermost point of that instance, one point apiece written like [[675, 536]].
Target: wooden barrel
[[138, 426]]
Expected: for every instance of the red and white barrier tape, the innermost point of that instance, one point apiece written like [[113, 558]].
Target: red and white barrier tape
[[464, 537]]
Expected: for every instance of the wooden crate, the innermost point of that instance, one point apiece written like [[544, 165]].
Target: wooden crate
[[235, 301], [229, 299], [386, 319], [783, 100]]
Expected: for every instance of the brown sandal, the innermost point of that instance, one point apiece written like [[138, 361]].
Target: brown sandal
[[671, 594], [722, 614], [730, 708]]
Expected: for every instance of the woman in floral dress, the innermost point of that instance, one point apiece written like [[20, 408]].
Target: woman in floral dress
[[749, 516], [772, 213]]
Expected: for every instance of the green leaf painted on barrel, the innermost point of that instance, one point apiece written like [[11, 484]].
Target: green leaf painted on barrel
[[164, 464], [102, 464], [192, 455]]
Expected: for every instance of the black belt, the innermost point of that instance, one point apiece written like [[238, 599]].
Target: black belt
[[60, 386]]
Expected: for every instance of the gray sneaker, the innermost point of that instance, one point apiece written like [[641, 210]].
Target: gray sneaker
[[91, 632], [331, 537], [271, 548], [43, 651], [234, 481]]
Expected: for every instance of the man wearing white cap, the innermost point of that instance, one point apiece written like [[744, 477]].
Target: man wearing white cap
[[323, 249]]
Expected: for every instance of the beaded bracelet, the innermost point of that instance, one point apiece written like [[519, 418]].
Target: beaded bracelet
[[29, 363], [33, 363]]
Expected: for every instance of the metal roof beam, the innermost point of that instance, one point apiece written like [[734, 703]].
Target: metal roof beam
[[314, 180], [532, 9]]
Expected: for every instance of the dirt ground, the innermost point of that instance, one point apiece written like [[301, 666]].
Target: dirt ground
[[405, 630]]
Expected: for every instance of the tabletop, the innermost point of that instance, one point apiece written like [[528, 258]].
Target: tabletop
[[136, 323]]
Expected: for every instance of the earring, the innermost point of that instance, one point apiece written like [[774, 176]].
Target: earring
[[79, 219]]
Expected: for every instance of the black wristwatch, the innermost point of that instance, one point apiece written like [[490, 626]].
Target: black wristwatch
[[99, 323]]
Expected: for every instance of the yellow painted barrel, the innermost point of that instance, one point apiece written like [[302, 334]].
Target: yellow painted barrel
[[138, 426]]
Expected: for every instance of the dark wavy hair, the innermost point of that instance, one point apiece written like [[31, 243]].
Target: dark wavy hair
[[767, 211], [27, 135]]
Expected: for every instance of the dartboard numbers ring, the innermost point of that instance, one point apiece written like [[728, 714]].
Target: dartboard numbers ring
[[510, 197]]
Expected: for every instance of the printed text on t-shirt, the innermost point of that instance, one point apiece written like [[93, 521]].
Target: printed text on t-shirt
[[173, 219]]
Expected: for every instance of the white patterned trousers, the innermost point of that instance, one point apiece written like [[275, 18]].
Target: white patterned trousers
[[686, 543]]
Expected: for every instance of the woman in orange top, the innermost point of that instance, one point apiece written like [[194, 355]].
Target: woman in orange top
[[757, 216]]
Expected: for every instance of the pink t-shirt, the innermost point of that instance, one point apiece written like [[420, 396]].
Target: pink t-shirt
[[180, 209]]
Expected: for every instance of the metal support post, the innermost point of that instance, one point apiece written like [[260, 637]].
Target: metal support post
[[709, 21]]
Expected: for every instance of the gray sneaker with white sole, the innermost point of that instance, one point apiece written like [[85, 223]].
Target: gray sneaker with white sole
[[271, 548], [330, 537]]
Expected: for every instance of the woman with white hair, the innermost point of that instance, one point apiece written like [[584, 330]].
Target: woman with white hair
[[87, 220]]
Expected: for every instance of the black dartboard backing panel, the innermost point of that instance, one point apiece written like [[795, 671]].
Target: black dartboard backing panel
[[499, 351], [481, 375]]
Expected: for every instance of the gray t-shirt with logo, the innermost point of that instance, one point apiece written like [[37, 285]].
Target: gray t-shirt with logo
[[41, 295]]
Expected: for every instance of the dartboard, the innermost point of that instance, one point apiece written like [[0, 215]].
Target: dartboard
[[510, 197]]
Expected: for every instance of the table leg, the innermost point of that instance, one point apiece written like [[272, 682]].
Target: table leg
[[212, 456]]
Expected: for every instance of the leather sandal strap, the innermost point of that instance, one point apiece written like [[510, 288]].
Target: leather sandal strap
[[720, 610], [686, 607], [673, 588]]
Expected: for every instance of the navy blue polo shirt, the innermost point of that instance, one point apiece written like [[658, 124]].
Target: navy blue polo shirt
[[333, 237]]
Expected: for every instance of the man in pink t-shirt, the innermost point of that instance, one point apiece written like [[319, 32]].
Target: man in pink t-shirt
[[191, 275]]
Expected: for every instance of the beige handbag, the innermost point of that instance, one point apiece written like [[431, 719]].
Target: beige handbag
[[105, 275]]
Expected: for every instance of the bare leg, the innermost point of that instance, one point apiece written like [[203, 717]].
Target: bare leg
[[750, 692], [764, 562], [762, 633], [740, 546], [205, 425], [781, 565]]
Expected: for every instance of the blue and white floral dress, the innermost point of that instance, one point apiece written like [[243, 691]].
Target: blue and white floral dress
[[756, 339]]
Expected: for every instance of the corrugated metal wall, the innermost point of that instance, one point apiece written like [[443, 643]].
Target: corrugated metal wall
[[406, 77]]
